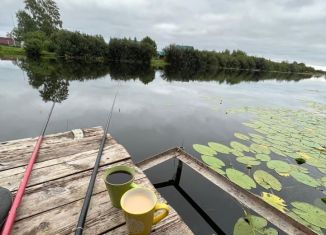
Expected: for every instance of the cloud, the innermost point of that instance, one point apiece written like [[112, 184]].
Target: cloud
[[166, 27], [276, 29]]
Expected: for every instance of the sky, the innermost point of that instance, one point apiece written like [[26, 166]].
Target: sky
[[275, 29]]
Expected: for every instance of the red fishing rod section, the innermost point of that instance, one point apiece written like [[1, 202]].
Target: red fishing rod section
[[22, 186]]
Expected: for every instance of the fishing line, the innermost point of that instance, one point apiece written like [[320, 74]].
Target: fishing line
[[23, 184], [88, 196]]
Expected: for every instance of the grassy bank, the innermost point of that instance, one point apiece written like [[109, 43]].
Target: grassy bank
[[16, 52], [158, 63], [6, 51]]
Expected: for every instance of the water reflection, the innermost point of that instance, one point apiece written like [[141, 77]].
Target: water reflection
[[228, 76], [52, 77], [151, 118], [128, 71]]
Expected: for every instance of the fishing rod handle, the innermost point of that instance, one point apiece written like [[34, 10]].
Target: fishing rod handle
[[21, 190]]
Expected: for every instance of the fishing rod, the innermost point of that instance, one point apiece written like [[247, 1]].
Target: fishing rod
[[84, 210], [22, 186]]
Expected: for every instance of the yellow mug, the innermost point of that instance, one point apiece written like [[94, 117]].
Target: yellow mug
[[139, 206]]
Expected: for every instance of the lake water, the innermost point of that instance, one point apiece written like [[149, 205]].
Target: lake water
[[154, 111]]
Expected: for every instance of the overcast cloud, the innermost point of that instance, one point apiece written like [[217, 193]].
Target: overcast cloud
[[276, 29]]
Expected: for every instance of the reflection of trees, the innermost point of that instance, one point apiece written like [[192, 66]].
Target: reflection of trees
[[127, 71], [227, 75], [52, 77], [47, 78]]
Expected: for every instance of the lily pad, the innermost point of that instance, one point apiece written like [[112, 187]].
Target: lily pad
[[237, 153], [316, 162], [305, 179], [253, 225], [204, 150], [322, 170], [323, 181], [239, 147], [263, 157], [261, 142], [279, 166], [249, 161], [310, 213], [219, 147], [240, 178], [212, 161], [258, 148], [305, 223], [274, 201], [278, 152], [256, 136], [299, 169], [217, 169], [241, 136], [266, 180]]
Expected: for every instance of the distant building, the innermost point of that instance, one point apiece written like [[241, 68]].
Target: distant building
[[184, 47], [161, 54], [7, 41]]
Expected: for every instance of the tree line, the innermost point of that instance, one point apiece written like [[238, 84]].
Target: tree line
[[194, 61], [40, 27], [76, 45]]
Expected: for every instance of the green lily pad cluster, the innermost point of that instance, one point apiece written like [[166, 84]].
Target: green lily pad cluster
[[293, 134], [252, 225], [209, 156], [309, 215], [297, 134], [291, 143]]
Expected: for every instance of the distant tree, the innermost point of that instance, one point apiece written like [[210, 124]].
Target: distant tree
[[238, 53], [151, 43], [33, 47], [227, 52], [126, 50], [77, 45], [38, 15]]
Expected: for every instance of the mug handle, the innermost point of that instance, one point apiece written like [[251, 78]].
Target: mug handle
[[159, 217]]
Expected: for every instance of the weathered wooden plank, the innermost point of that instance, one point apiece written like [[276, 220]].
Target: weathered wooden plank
[[171, 225], [62, 220], [70, 165], [255, 203], [48, 139], [157, 159], [56, 193], [50, 162], [52, 147]]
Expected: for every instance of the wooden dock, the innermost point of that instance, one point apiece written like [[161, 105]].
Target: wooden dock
[[59, 180]]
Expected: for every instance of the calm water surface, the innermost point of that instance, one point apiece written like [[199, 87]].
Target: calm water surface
[[155, 110]]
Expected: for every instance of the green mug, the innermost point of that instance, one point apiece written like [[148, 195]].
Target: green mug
[[117, 190]]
